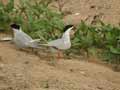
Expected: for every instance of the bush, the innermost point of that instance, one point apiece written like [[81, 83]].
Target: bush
[[103, 37], [5, 14]]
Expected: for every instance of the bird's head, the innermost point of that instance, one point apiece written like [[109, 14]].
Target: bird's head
[[70, 28], [15, 26]]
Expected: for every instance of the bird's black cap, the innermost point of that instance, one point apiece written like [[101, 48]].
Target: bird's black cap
[[15, 26], [67, 27]]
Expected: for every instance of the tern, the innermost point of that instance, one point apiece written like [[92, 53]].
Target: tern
[[21, 39], [64, 42]]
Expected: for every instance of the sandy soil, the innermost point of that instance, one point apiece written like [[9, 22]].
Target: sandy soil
[[25, 71], [106, 10]]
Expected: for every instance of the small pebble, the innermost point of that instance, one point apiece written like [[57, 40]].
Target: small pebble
[[77, 13], [83, 73], [0, 58], [71, 70], [92, 6], [1, 66], [99, 87], [26, 62]]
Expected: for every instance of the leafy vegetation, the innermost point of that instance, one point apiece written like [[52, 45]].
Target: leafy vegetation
[[5, 14], [39, 21], [104, 38]]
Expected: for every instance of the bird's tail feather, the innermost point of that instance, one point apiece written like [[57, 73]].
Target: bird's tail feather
[[44, 45], [35, 40]]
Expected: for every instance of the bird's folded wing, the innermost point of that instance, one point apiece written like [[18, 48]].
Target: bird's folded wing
[[53, 43], [35, 40]]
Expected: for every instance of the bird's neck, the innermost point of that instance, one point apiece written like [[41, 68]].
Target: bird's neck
[[66, 36], [16, 30]]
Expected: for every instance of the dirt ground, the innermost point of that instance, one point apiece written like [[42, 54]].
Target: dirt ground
[[105, 10], [25, 71]]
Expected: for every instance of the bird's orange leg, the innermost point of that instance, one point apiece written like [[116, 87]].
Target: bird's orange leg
[[60, 54]]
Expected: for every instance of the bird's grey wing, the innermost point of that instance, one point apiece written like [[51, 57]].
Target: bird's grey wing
[[35, 40], [59, 44], [25, 36], [24, 40], [55, 43], [31, 42]]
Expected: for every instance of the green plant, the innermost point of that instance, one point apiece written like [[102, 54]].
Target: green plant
[[104, 37], [112, 45], [38, 20], [5, 14], [86, 38]]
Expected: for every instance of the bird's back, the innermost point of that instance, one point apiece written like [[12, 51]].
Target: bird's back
[[59, 44], [22, 40], [63, 42]]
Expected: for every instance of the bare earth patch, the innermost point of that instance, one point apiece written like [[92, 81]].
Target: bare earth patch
[[25, 71], [106, 10]]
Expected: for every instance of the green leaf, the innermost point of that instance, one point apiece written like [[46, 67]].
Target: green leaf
[[10, 6], [115, 50]]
